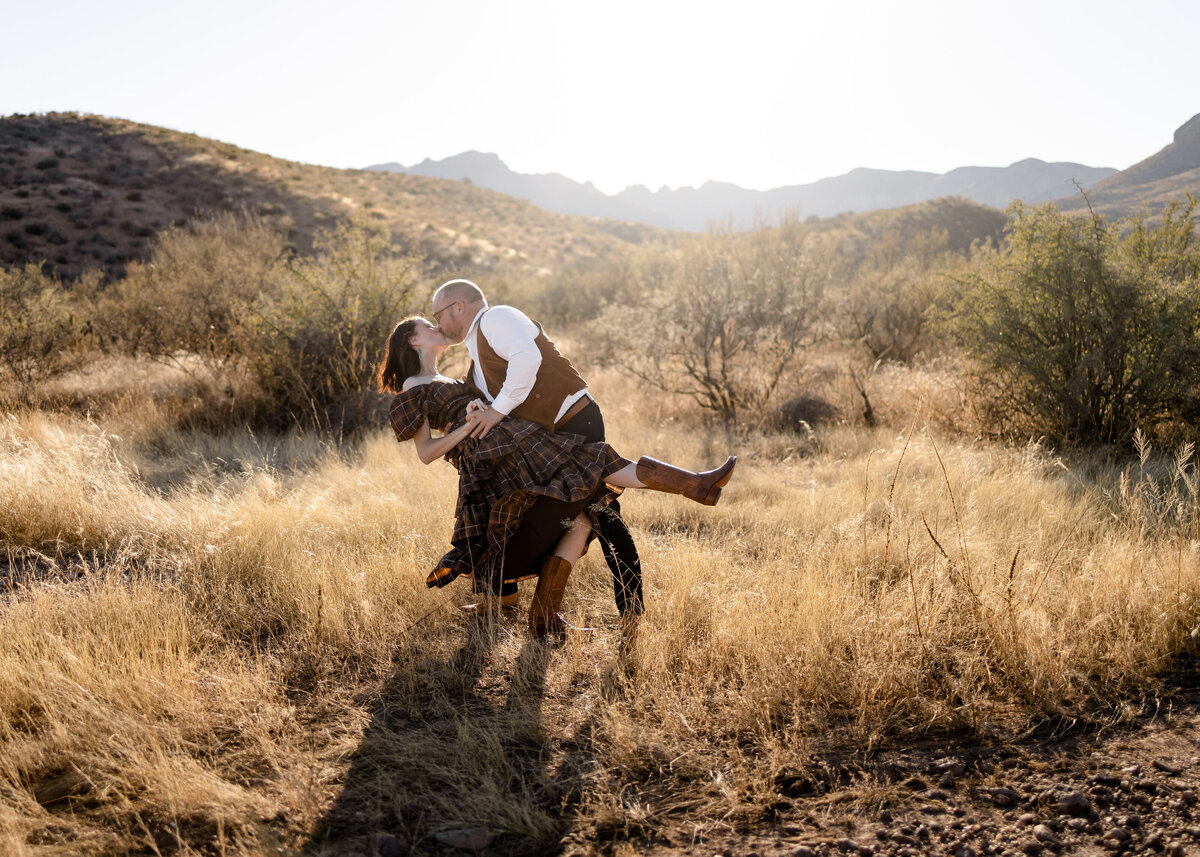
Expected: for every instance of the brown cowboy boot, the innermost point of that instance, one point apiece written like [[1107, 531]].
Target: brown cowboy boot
[[544, 618], [702, 487]]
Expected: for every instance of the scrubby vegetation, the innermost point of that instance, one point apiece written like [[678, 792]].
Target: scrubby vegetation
[[214, 633]]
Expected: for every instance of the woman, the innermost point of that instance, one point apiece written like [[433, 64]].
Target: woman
[[502, 474]]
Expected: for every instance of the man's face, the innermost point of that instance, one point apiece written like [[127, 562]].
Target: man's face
[[450, 317]]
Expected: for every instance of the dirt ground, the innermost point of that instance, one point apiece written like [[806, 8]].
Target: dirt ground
[[1128, 789]]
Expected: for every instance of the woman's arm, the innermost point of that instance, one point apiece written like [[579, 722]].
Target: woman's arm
[[429, 448]]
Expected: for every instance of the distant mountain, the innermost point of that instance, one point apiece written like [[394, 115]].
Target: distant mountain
[[79, 192], [1168, 175], [694, 208]]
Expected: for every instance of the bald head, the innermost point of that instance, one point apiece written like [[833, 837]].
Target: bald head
[[457, 290], [455, 305]]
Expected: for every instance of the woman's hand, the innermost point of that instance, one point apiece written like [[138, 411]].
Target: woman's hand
[[476, 405]]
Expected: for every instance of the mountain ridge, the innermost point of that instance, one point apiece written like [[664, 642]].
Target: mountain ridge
[[695, 208]]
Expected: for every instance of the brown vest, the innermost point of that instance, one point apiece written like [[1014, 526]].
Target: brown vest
[[556, 379]]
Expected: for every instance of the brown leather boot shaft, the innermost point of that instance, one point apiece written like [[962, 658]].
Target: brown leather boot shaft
[[548, 596], [702, 487]]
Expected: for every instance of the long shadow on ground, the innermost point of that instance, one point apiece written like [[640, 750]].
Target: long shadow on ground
[[455, 744]]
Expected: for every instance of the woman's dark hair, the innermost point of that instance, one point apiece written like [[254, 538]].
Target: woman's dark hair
[[400, 360]]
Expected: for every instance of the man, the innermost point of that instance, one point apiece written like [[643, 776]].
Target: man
[[521, 373]]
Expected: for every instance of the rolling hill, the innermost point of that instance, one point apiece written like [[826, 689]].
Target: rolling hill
[[79, 191], [1164, 176]]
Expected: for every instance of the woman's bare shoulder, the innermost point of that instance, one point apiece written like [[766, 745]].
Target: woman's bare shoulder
[[413, 381]]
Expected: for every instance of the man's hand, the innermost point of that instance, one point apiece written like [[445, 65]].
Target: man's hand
[[483, 421]]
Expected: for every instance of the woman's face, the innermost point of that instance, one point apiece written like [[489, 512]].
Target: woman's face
[[426, 336]]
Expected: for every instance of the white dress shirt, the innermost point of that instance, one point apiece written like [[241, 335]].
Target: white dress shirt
[[511, 334]]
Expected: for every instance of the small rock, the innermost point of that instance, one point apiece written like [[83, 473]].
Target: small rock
[[1168, 767], [468, 839], [1134, 821], [1003, 797], [1176, 849], [1154, 841], [965, 851], [847, 845], [1078, 824], [1045, 835], [1188, 796], [804, 851], [1027, 819], [936, 794], [1074, 803], [389, 846], [1117, 835], [909, 852], [1132, 770]]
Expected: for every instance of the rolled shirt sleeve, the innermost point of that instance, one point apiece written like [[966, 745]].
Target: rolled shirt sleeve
[[511, 334]]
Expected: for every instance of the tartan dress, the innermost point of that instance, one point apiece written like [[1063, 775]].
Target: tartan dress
[[499, 478]]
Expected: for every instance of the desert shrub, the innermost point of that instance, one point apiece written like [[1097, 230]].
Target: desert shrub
[[889, 299], [41, 329], [806, 411], [1085, 330], [313, 343], [185, 302], [722, 320]]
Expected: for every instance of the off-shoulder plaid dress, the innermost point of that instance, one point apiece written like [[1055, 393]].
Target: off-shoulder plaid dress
[[499, 478]]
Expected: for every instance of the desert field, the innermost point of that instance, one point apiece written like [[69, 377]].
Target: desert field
[[221, 643]]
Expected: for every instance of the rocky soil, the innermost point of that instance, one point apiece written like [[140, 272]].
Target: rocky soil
[[1125, 790]]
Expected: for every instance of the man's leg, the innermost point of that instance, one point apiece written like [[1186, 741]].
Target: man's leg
[[619, 550]]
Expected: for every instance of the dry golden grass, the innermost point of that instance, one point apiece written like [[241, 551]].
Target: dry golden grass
[[224, 644]]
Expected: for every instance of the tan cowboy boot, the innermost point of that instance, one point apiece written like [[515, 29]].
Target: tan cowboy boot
[[702, 487], [544, 618]]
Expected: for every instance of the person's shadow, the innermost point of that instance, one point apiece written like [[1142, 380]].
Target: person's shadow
[[453, 745]]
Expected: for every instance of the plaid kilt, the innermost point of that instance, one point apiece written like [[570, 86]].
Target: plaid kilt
[[500, 477]]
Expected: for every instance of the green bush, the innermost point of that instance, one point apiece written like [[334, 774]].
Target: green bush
[[41, 330], [314, 341], [1086, 331]]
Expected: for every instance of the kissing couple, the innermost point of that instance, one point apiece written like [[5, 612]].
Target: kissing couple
[[536, 481]]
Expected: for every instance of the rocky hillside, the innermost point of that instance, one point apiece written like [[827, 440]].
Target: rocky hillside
[[1168, 175], [79, 192]]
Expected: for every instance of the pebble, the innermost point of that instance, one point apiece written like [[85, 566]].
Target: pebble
[[469, 839], [1118, 835], [1074, 803], [389, 846], [1027, 819], [804, 851], [1176, 849], [1078, 824], [1044, 834], [847, 845], [1003, 797], [1168, 767]]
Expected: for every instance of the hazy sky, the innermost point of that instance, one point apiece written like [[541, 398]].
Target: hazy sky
[[760, 94]]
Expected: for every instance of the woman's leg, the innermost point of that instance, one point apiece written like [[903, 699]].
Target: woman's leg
[[659, 476], [544, 618]]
